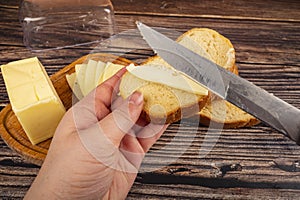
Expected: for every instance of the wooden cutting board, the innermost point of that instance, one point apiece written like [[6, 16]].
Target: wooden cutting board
[[11, 130]]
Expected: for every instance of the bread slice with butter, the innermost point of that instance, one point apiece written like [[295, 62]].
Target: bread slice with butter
[[217, 48], [168, 95]]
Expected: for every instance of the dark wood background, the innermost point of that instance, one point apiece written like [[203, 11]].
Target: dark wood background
[[246, 163]]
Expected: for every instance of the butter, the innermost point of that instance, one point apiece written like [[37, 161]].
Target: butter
[[167, 76], [110, 70], [74, 85], [89, 81], [99, 72], [86, 77], [80, 70], [33, 98]]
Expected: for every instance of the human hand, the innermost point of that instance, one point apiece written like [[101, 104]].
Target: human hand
[[97, 148]]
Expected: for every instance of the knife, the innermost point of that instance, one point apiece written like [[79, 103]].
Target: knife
[[258, 102]]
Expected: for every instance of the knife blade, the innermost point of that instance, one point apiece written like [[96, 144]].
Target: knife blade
[[258, 102]]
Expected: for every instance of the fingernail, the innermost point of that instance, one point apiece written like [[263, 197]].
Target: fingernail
[[137, 98]]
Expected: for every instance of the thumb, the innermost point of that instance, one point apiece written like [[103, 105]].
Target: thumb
[[122, 119]]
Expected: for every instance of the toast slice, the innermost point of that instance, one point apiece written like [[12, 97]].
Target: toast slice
[[233, 118], [162, 104], [212, 45]]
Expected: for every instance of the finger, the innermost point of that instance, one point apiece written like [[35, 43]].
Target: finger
[[150, 134], [141, 122], [117, 103], [98, 145], [122, 119], [96, 142], [107, 91], [96, 105], [132, 150]]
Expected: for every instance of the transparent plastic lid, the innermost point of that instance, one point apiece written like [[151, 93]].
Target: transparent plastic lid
[[57, 24]]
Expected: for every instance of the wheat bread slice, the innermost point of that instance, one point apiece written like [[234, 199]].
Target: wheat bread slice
[[162, 104], [219, 49], [233, 118], [211, 45]]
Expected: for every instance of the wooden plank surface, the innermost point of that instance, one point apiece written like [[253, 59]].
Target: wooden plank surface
[[248, 163], [279, 10]]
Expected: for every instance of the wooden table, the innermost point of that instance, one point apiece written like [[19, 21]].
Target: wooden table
[[246, 163]]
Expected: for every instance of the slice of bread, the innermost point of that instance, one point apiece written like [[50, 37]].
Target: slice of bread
[[162, 104], [233, 118], [211, 45], [217, 48]]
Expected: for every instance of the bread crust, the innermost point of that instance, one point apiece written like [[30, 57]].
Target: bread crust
[[180, 113], [234, 117]]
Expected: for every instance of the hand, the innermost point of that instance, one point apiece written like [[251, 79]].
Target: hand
[[97, 148]]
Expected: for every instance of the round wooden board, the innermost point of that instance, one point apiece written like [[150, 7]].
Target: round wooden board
[[12, 132]]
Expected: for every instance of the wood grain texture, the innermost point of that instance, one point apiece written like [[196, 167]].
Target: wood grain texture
[[184, 191], [265, 35], [226, 9]]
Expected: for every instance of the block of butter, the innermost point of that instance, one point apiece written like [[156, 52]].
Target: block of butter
[[33, 98]]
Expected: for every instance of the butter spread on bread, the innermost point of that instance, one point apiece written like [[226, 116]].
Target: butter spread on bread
[[167, 76], [163, 101]]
